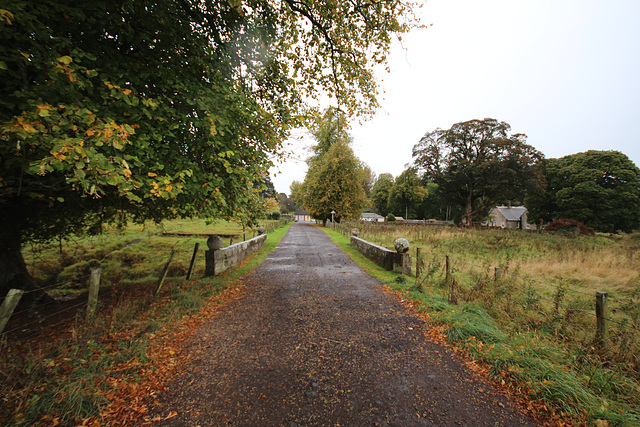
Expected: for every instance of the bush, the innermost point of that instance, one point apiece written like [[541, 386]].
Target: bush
[[274, 216], [571, 226], [391, 217]]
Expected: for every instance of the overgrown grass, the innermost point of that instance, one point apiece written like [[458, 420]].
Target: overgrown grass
[[536, 332], [67, 374]]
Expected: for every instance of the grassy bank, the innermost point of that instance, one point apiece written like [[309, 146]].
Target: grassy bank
[[67, 370], [533, 327]]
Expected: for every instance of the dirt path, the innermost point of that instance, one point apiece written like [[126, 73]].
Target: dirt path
[[315, 341]]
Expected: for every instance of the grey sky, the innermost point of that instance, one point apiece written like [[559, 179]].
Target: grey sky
[[564, 72]]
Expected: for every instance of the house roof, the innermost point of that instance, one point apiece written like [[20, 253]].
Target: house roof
[[512, 213], [300, 212], [370, 215]]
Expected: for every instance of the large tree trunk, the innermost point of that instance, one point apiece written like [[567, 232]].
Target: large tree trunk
[[468, 209], [13, 270]]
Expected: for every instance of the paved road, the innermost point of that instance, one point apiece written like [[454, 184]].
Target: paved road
[[315, 341]]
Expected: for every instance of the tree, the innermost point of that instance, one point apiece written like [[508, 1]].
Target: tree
[[477, 164], [333, 182], [598, 188], [368, 179], [380, 193], [264, 186], [407, 193], [118, 109], [297, 193], [328, 128], [287, 205]]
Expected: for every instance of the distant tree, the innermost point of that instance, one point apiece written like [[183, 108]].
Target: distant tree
[[328, 128], [380, 193], [334, 182], [287, 205], [598, 188], [265, 187], [477, 164], [368, 179], [407, 194], [297, 193]]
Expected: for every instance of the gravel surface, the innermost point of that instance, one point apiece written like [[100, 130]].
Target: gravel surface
[[316, 341]]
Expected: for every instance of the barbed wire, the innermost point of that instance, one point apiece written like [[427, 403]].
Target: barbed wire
[[42, 330], [590, 313], [43, 318], [58, 284]]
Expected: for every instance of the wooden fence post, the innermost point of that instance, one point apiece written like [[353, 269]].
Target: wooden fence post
[[418, 262], [164, 274], [497, 274], [448, 268], [8, 305], [601, 310], [94, 288], [193, 260], [453, 299]]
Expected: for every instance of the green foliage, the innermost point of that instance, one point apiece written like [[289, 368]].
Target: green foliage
[[598, 188], [297, 193], [368, 179], [112, 110], [286, 204], [334, 183], [380, 193], [477, 164], [334, 179], [327, 129], [407, 194]]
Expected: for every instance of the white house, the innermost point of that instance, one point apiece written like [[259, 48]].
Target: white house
[[301, 215], [372, 217], [509, 217]]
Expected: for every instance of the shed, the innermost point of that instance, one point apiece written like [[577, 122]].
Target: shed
[[301, 215], [514, 217], [371, 217]]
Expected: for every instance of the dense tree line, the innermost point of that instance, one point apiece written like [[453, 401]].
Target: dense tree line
[[598, 188]]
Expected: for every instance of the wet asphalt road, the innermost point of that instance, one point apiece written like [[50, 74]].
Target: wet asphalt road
[[315, 341]]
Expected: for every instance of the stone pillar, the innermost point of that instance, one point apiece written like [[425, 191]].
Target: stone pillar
[[403, 258], [214, 243]]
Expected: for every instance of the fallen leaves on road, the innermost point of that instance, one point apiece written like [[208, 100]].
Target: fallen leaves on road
[[128, 401]]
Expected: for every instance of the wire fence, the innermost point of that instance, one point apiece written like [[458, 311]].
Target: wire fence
[[592, 316]]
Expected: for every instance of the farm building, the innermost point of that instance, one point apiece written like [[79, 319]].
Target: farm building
[[514, 217], [372, 217], [301, 215]]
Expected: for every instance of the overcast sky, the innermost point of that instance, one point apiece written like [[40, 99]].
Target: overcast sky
[[564, 72]]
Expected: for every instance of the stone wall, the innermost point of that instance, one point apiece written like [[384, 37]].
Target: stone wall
[[220, 260], [385, 258]]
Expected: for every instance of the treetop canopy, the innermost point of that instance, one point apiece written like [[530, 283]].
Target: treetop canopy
[[171, 107]]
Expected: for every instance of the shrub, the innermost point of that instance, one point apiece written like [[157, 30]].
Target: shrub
[[570, 225], [274, 216], [391, 217]]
